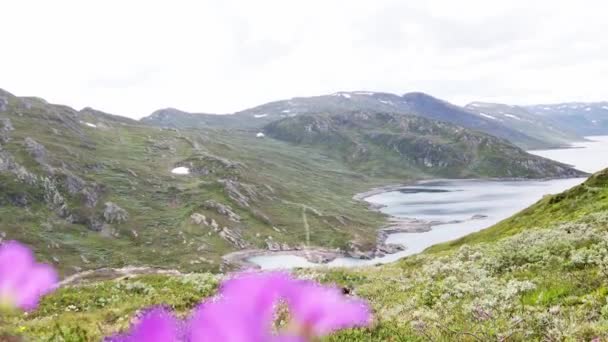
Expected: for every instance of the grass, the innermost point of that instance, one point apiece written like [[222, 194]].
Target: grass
[[528, 284]]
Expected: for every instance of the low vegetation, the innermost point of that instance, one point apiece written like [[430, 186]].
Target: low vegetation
[[537, 282]]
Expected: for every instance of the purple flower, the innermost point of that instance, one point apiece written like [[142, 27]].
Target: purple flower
[[244, 311], [155, 325], [22, 280], [318, 310]]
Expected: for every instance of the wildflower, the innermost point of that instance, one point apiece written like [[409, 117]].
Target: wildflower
[[22, 280], [244, 311], [319, 310], [155, 325]]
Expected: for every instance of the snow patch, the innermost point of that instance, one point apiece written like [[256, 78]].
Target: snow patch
[[364, 93], [286, 111], [605, 107], [257, 116], [345, 95], [260, 135], [390, 103], [513, 116], [181, 170], [594, 122], [487, 116], [587, 109], [88, 124]]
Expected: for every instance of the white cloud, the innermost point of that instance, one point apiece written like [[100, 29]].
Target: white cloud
[[133, 57]]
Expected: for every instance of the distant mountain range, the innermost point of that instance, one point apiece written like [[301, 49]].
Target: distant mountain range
[[529, 127]]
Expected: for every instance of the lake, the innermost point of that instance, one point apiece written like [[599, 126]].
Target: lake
[[460, 200]]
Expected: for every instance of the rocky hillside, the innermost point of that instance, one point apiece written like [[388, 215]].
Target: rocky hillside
[[398, 145], [88, 189], [522, 133], [537, 276]]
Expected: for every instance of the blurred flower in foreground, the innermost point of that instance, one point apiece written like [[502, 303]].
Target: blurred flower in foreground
[[155, 325], [245, 311], [319, 310], [22, 280]]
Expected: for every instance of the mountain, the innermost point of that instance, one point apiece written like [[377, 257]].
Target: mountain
[[579, 117], [344, 102], [396, 144], [544, 127], [175, 118], [89, 189]]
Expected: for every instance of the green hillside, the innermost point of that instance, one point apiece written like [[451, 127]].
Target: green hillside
[[89, 189], [397, 144], [540, 276]]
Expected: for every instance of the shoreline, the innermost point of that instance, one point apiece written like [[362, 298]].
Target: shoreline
[[393, 225]]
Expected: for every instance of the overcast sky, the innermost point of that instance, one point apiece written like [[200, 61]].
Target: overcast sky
[[133, 57]]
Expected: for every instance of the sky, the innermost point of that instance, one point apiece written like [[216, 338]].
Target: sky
[[133, 57]]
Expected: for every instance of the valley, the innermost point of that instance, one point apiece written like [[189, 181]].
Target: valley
[[137, 213], [448, 209], [89, 189]]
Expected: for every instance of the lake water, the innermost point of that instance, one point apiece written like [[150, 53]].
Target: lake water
[[450, 200]]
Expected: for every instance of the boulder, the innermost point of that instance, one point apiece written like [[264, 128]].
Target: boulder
[[198, 218], [222, 209], [35, 149], [114, 214]]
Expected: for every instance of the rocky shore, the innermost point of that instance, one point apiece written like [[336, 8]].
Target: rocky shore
[[395, 225], [240, 259]]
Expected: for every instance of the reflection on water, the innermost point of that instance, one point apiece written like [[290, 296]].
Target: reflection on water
[[449, 200]]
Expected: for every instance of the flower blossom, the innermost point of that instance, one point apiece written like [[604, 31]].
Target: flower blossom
[[155, 325], [245, 311], [22, 280]]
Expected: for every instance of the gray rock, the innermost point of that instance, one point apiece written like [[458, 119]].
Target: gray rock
[[7, 124], [91, 196], [198, 218], [222, 209], [36, 150], [114, 214], [233, 237], [5, 130], [239, 192], [95, 225], [74, 184]]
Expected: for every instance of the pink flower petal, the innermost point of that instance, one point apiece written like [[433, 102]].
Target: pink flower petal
[[155, 325], [243, 312], [22, 280], [40, 281], [325, 309]]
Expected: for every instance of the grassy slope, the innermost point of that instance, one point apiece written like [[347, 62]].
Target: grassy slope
[[578, 202], [398, 144], [160, 204], [541, 276]]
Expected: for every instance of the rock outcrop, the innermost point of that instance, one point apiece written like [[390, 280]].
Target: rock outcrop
[[222, 209], [114, 214]]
